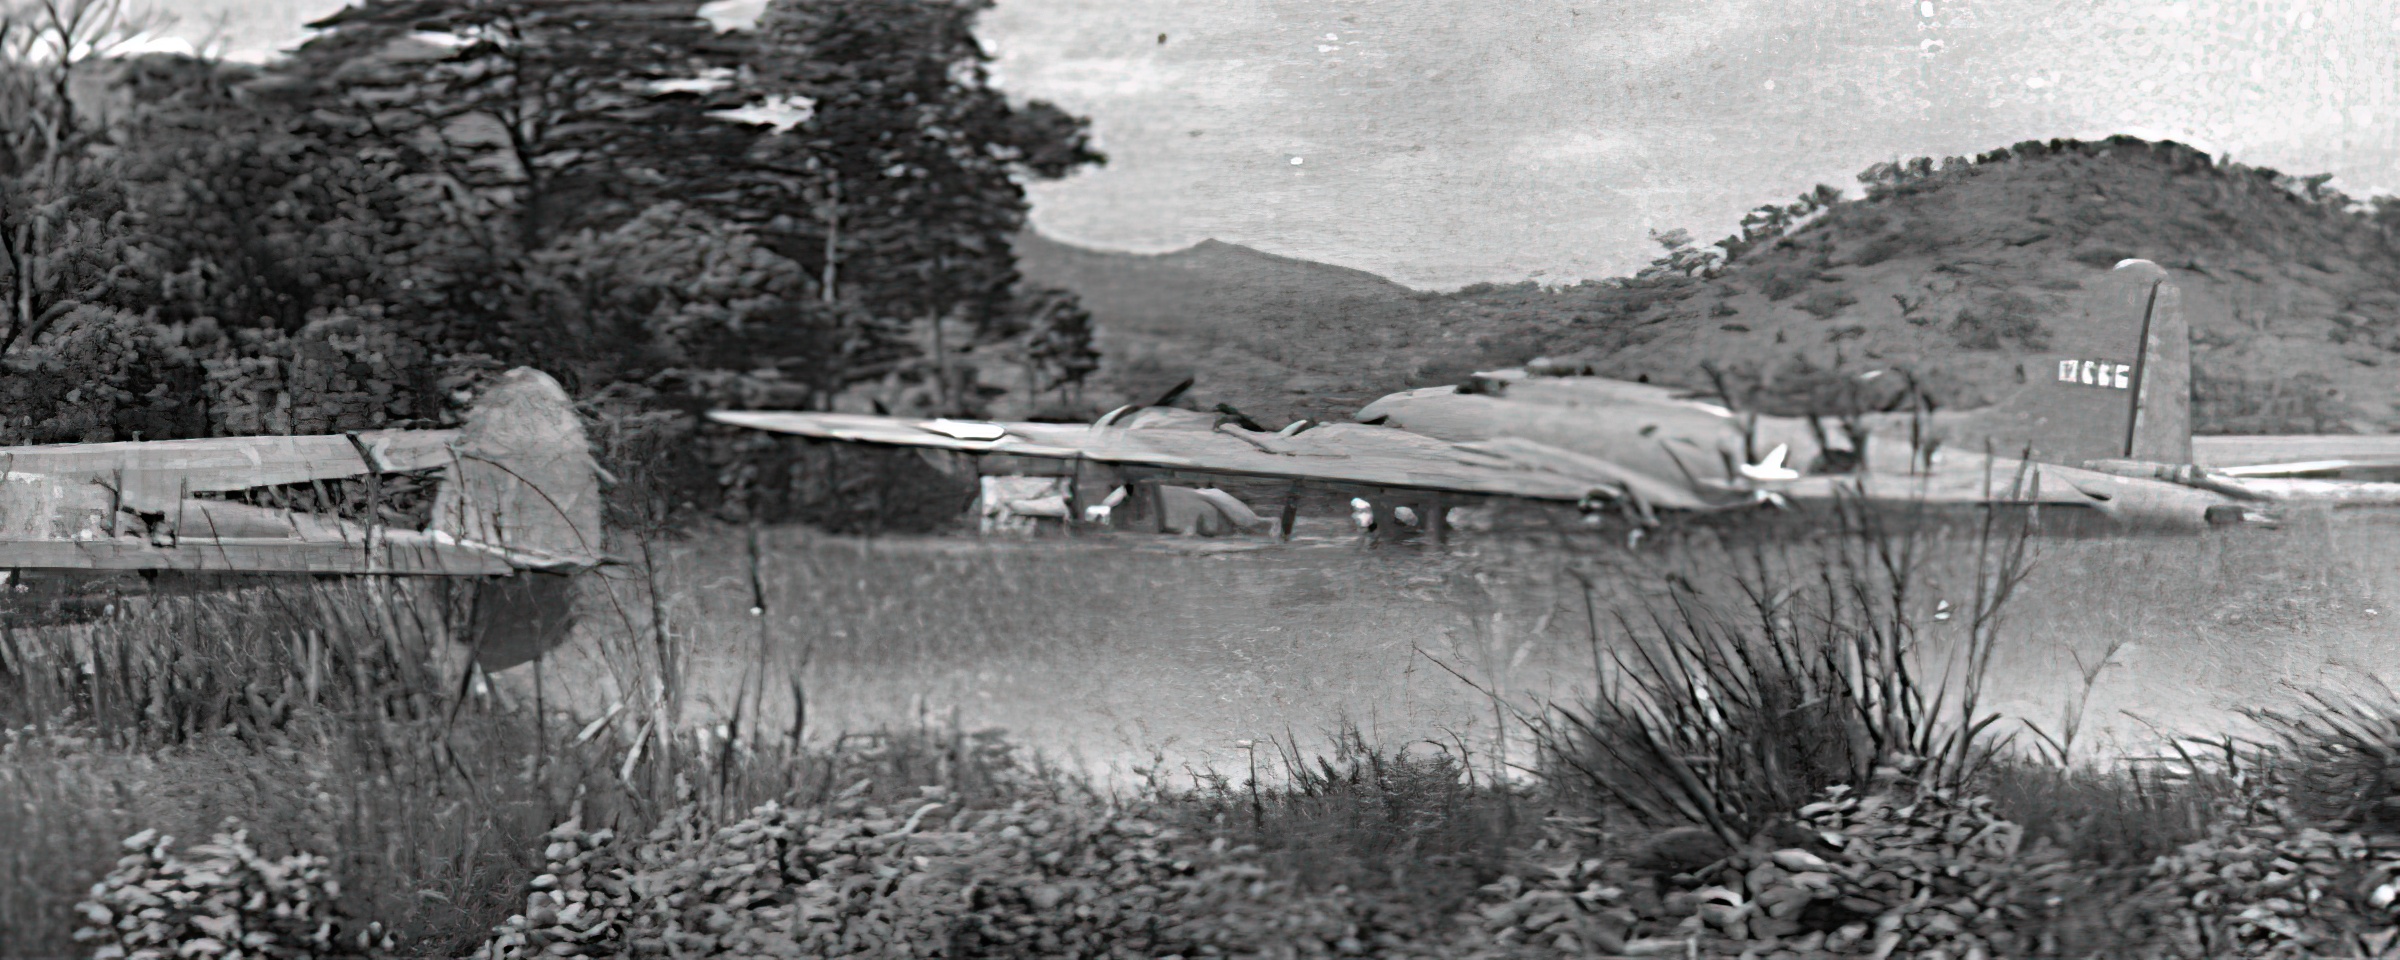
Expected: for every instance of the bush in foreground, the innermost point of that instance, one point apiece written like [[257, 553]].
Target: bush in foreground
[[220, 899], [1035, 878]]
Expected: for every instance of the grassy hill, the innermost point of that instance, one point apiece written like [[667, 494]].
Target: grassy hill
[[1953, 271]]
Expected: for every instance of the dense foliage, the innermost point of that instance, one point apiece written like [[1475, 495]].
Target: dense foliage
[[814, 212]]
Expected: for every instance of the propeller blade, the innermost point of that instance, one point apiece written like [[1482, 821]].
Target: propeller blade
[[1175, 393]]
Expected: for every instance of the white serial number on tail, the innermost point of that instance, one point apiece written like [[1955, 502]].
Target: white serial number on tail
[[2096, 373]]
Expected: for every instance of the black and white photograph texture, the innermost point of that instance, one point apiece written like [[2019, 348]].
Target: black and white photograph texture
[[1199, 479]]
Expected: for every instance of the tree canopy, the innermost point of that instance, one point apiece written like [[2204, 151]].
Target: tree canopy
[[816, 212]]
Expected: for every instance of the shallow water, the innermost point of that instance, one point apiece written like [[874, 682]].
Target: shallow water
[[1115, 654]]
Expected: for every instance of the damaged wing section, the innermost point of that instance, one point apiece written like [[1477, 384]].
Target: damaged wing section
[[516, 490], [1179, 441]]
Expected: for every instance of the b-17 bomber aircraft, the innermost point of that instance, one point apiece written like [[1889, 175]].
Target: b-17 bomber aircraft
[[2099, 429]]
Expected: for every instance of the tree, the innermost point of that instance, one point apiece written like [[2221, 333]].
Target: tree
[[252, 217], [56, 197], [75, 363], [563, 114], [1058, 341], [912, 159], [858, 139]]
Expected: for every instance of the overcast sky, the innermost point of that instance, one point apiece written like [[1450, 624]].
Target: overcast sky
[[1445, 142]]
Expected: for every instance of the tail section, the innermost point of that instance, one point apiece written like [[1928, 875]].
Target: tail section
[[2117, 388], [524, 481], [2162, 400]]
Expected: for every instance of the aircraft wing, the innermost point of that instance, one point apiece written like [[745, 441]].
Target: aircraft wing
[[1383, 457], [163, 469], [1510, 466], [2332, 455]]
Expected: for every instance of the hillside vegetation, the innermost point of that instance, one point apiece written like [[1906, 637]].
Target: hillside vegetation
[[1955, 271]]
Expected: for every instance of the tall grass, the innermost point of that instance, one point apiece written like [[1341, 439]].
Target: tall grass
[[2337, 752], [1774, 668], [317, 713], [344, 718]]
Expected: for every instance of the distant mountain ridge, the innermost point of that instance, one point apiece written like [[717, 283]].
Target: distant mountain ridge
[[1276, 336], [1952, 272]]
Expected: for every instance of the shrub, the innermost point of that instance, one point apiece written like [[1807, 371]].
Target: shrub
[[2119, 816], [2339, 754], [1880, 249], [2009, 319], [2231, 403], [220, 898], [1045, 876], [1823, 304], [1779, 286], [1415, 825]]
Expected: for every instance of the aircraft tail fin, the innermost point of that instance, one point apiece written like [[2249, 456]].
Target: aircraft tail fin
[[2161, 431], [2117, 384], [524, 480]]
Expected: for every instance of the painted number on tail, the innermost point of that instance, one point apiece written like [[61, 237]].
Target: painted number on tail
[[2096, 373]]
